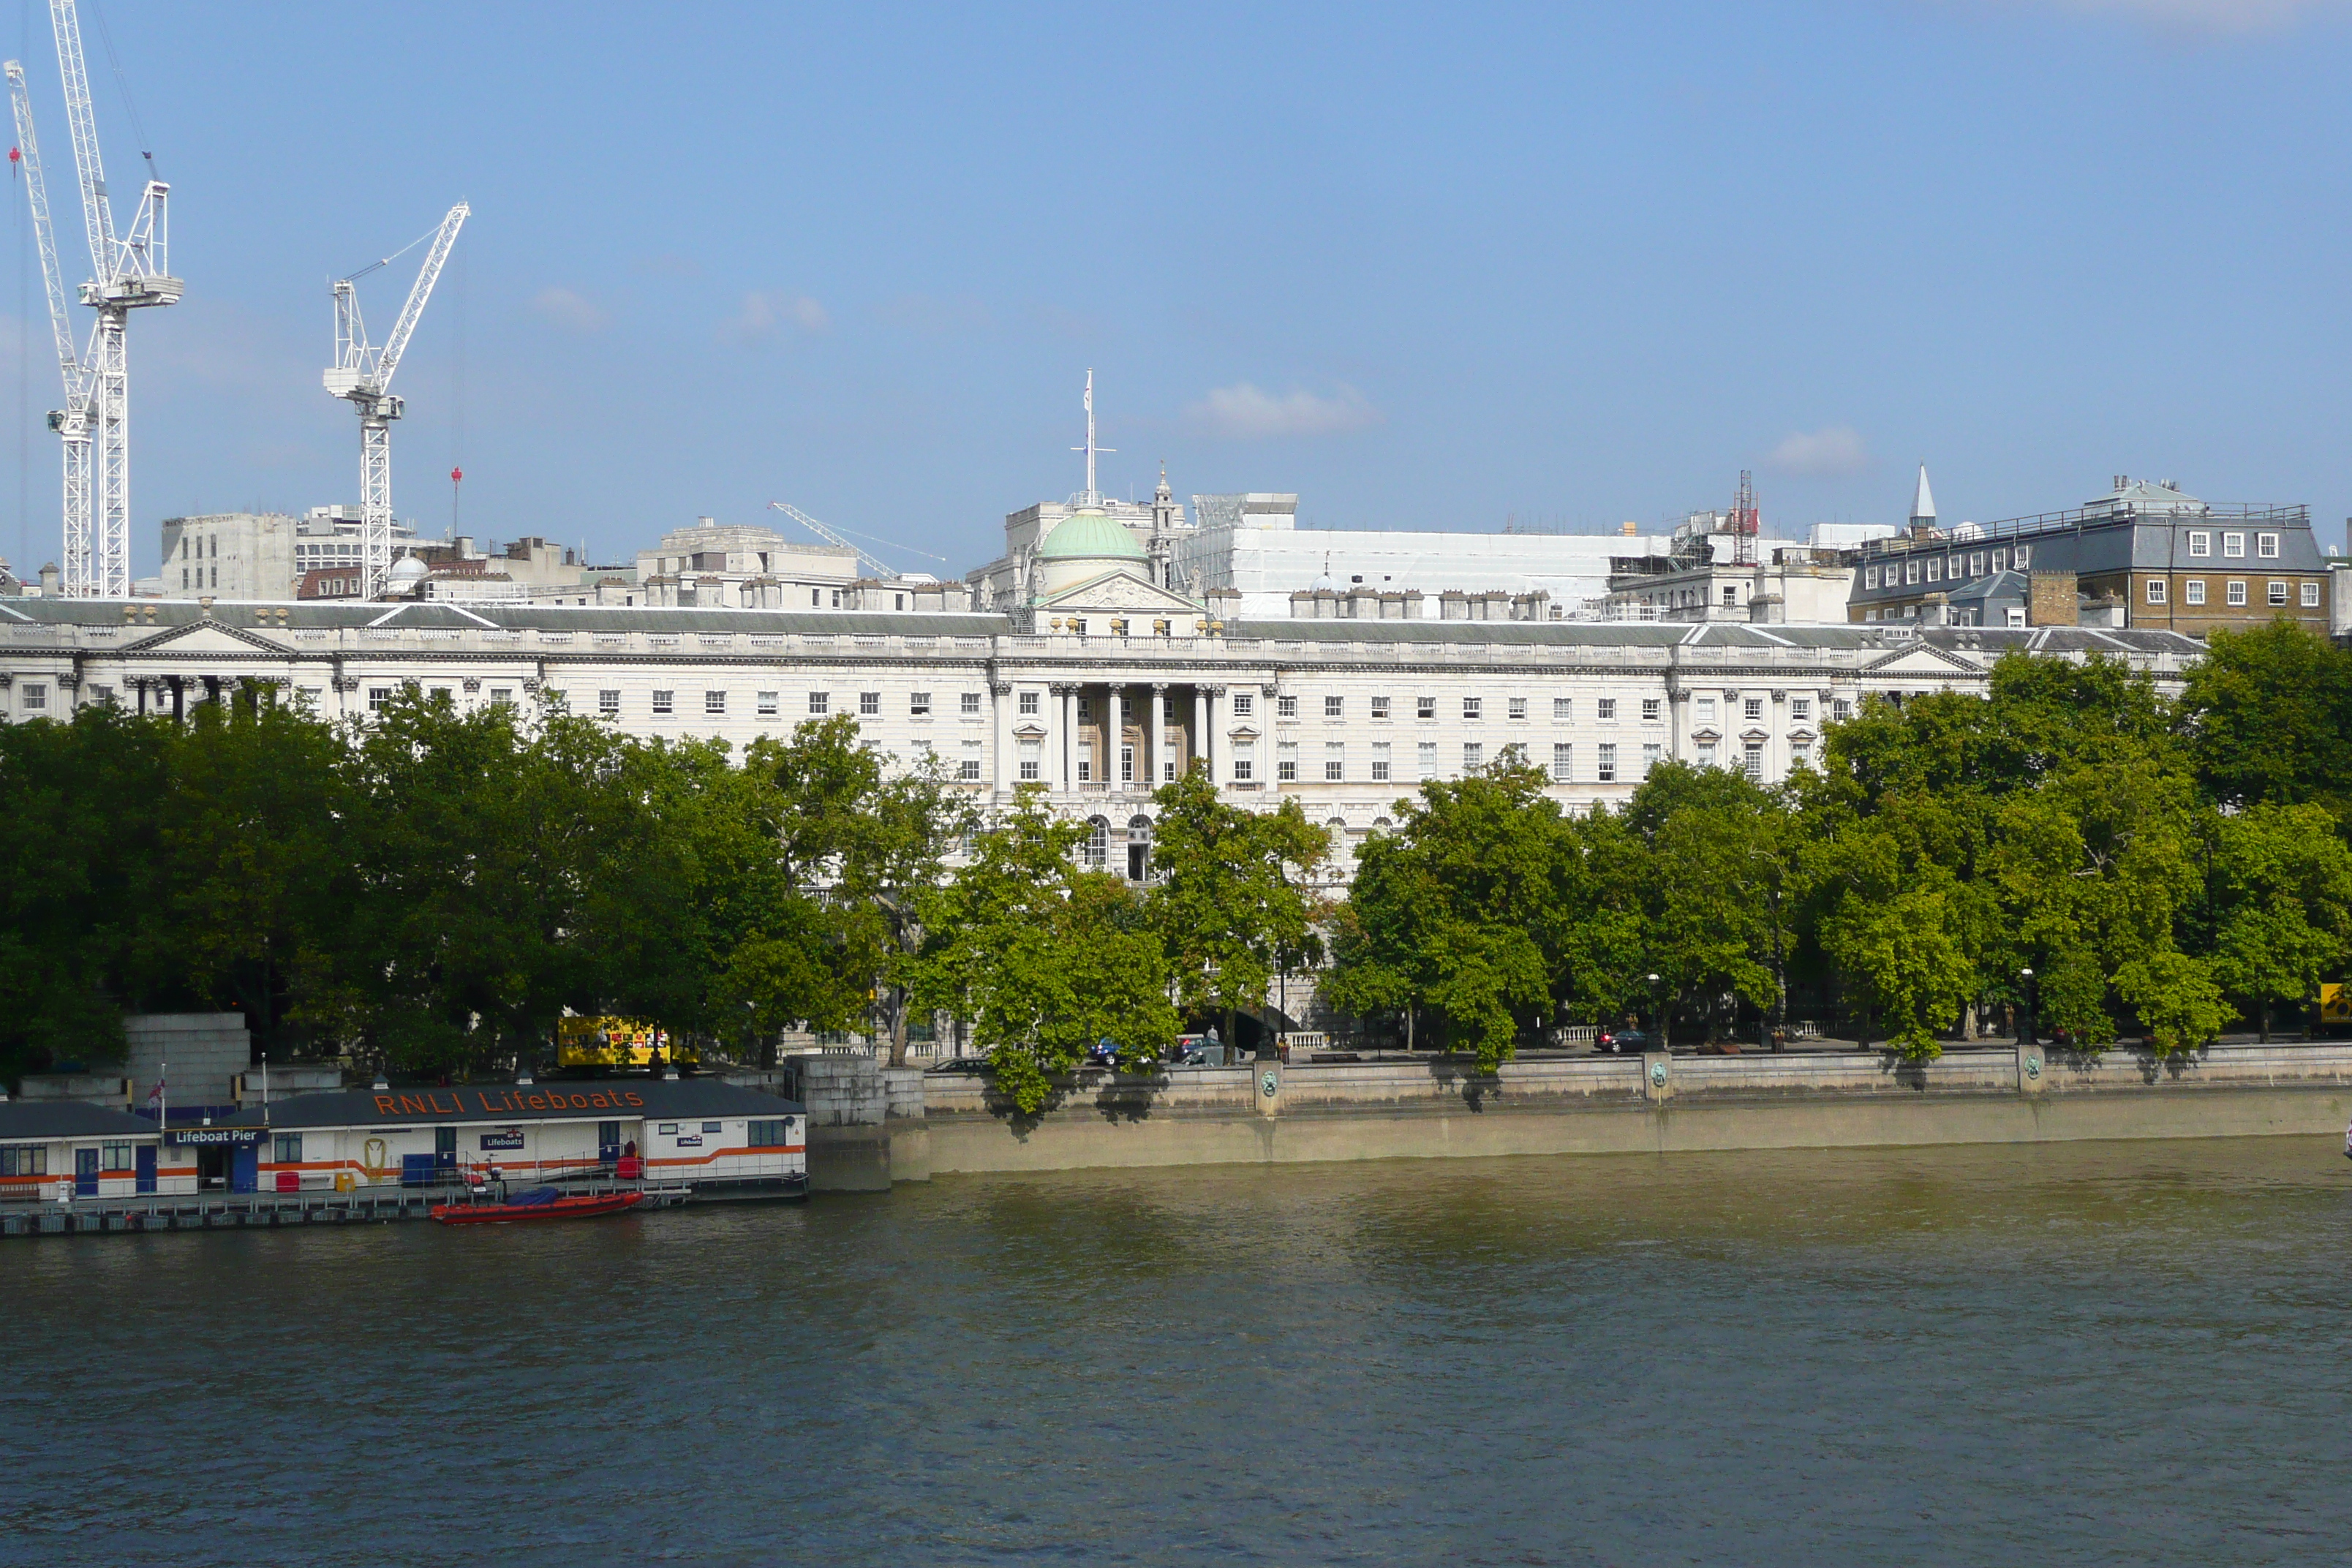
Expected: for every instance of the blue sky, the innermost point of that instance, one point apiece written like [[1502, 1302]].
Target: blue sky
[[1428, 267]]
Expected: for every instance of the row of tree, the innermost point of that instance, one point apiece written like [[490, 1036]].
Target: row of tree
[[433, 891], [2075, 843]]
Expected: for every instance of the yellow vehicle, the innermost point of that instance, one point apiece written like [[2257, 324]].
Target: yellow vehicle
[[2334, 1001], [615, 1043]]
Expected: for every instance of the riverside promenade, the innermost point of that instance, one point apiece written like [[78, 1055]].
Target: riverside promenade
[[871, 1126]]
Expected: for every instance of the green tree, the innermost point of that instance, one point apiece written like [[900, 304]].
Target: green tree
[[2267, 715], [1901, 950], [1231, 896], [2283, 887]]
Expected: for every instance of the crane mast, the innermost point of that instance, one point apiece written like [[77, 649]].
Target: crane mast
[[127, 272], [362, 374], [880, 568], [72, 422]]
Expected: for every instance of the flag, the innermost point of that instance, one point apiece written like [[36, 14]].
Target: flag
[[155, 1095]]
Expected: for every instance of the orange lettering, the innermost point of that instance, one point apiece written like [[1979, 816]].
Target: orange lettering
[[580, 1102], [485, 1100], [386, 1106], [411, 1106], [536, 1102], [599, 1102], [636, 1099]]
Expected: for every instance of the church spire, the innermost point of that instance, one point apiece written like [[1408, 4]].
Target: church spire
[[1923, 504]]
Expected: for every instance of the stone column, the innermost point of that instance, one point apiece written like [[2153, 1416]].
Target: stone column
[[1200, 724], [1213, 696], [1157, 740], [1776, 749], [1064, 693], [1000, 720]]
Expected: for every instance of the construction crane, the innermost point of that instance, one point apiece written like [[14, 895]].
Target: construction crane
[[363, 375], [71, 422], [129, 273], [881, 568]]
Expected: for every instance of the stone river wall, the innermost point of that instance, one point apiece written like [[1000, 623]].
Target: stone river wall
[[870, 1127]]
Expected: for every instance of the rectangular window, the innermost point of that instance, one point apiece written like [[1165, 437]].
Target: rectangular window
[[2024, 556], [1032, 755], [1800, 709], [501, 696], [2000, 560], [113, 1157], [25, 1160], [1753, 707], [1801, 754], [968, 762], [1651, 709], [918, 704], [714, 702], [1335, 762], [1245, 704], [1470, 707], [1427, 759], [2200, 545], [1473, 756], [2193, 590], [1842, 709], [1244, 760], [1707, 710], [2237, 595], [1752, 759], [1563, 763], [1605, 709], [1286, 706], [1285, 762], [1604, 765], [665, 702], [1707, 754], [1126, 764], [1028, 704], [1975, 562], [1379, 762], [2311, 596], [379, 698], [869, 704], [1936, 571], [1380, 708], [1910, 572], [1519, 706], [2277, 591], [608, 704], [2156, 590], [285, 1149], [2266, 546], [1086, 766], [1335, 706], [1650, 752], [969, 704], [2233, 546], [1563, 710], [769, 702], [819, 703], [765, 1134], [1870, 576]]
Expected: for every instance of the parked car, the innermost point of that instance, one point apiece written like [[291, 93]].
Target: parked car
[[1622, 1042]]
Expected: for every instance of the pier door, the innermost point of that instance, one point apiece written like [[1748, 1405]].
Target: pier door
[[608, 1144], [445, 1153], [145, 1159], [85, 1172]]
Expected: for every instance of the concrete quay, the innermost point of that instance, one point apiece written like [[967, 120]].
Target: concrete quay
[[878, 1126]]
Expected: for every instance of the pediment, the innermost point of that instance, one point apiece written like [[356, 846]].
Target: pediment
[[208, 637], [1033, 731], [1755, 734], [1707, 733], [1921, 658], [1243, 731], [1118, 591]]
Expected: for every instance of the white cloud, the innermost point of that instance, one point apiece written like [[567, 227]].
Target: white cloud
[[1830, 452], [1246, 413], [2203, 16], [569, 309], [764, 316]]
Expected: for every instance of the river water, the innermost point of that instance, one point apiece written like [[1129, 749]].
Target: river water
[[2119, 1352]]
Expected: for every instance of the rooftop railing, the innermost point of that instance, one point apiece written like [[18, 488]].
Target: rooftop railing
[[2081, 518]]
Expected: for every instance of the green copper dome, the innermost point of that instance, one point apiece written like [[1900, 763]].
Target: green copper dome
[[1090, 536]]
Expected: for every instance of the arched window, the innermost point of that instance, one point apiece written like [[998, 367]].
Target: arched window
[[1138, 847], [1382, 824], [1097, 843]]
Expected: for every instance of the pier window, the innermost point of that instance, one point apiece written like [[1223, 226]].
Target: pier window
[[24, 1159], [1424, 707], [1335, 706], [665, 702], [768, 704], [2311, 596], [969, 705], [768, 1135], [285, 1149], [2193, 590], [1286, 706], [869, 704], [1379, 762], [1428, 761], [1028, 705], [608, 704], [1335, 762], [1473, 756], [114, 1158], [1563, 763], [2237, 593], [1604, 765], [1380, 708], [819, 703], [1285, 762], [918, 704], [714, 702]]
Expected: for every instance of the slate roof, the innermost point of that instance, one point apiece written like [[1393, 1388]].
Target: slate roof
[[24, 1121], [619, 1100]]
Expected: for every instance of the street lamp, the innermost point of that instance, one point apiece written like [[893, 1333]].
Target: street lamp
[[2027, 1032], [1658, 1010]]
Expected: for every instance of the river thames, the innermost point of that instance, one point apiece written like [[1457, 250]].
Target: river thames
[[2118, 1352]]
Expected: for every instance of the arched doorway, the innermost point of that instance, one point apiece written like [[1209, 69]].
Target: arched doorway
[[1138, 847]]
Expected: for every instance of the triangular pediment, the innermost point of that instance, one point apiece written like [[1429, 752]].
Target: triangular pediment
[[1921, 658], [208, 637], [1118, 591], [1244, 732]]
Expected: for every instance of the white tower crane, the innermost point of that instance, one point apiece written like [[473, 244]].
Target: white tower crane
[[129, 273], [362, 373], [72, 421], [834, 536]]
